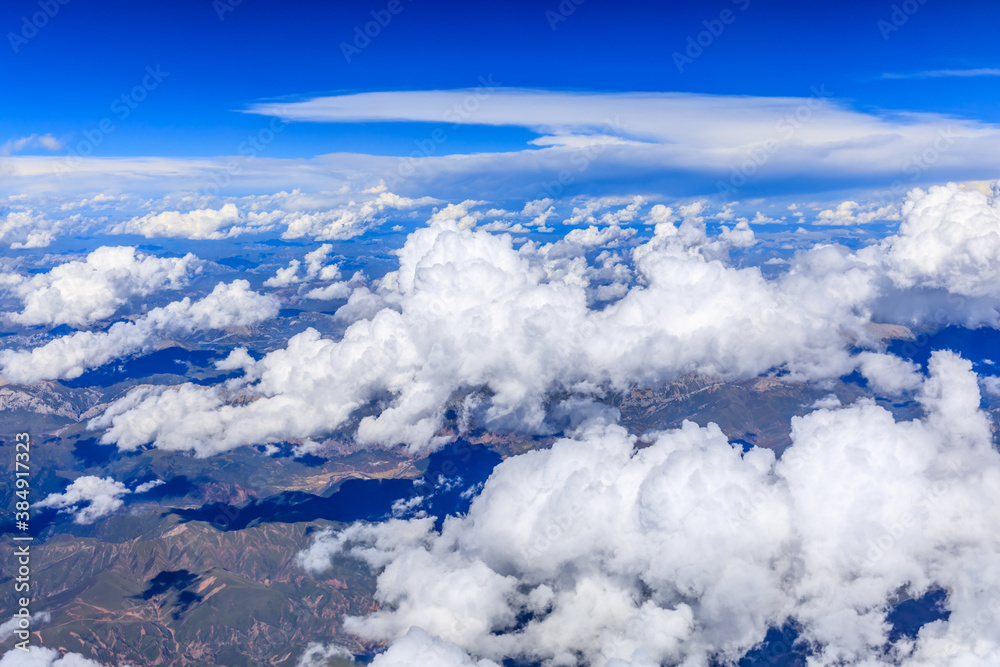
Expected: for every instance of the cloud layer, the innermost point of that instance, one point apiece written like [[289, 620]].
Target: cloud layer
[[467, 313], [685, 549], [66, 357]]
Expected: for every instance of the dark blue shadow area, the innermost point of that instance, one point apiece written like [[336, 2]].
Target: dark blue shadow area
[[908, 617], [170, 360], [856, 378], [445, 488], [175, 487], [976, 345], [91, 453], [287, 450], [778, 649], [238, 263], [781, 646], [62, 330], [167, 580]]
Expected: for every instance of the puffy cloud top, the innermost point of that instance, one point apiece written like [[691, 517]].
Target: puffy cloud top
[[83, 292], [687, 549]]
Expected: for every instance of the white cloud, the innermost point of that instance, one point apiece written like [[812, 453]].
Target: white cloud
[[944, 73], [88, 498], [228, 305], [419, 648], [349, 220], [595, 138], [148, 486], [889, 374], [39, 656], [316, 269], [949, 238], [203, 223], [850, 213], [466, 311], [22, 230], [687, 550], [813, 136], [85, 291], [318, 655], [608, 237], [46, 141], [461, 212], [16, 623]]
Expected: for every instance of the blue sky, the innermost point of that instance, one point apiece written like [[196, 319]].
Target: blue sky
[[65, 78]]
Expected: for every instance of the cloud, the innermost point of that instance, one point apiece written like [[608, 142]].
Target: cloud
[[944, 73], [949, 239], [67, 357], [203, 223], [591, 143], [685, 550], [466, 312], [39, 656], [82, 292], [88, 498], [419, 648], [315, 269], [804, 138], [609, 237], [349, 220], [318, 655], [8, 629], [46, 141], [850, 213], [889, 374], [23, 230]]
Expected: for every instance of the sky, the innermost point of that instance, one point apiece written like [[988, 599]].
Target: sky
[[224, 55]]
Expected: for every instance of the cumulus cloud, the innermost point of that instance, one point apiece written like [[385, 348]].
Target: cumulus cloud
[[608, 237], [22, 230], [202, 223], [889, 374], [316, 269], [318, 655], [467, 311], [228, 305], [88, 498], [349, 220], [85, 291], [949, 238], [852, 213], [686, 550]]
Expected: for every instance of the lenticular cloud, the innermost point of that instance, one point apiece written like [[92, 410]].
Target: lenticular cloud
[[678, 548]]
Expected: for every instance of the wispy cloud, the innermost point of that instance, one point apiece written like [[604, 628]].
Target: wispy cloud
[[46, 141], [943, 73]]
